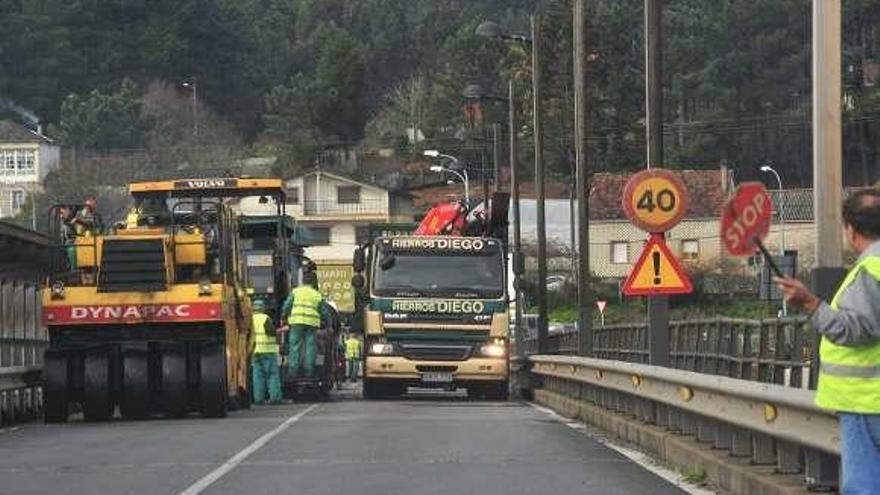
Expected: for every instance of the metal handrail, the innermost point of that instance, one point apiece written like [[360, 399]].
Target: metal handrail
[[774, 410]]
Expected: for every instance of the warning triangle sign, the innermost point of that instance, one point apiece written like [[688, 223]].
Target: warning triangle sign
[[657, 272]]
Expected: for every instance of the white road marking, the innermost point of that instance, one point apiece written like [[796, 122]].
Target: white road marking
[[209, 479], [637, 457]]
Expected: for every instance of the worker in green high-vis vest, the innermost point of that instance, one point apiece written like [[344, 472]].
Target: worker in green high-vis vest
[[264, 361], [849, 355], [303, 309]]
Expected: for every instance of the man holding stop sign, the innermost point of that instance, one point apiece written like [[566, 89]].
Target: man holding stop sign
[[849, 372]]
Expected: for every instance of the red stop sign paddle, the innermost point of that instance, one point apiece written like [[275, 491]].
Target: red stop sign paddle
[[745, 222]]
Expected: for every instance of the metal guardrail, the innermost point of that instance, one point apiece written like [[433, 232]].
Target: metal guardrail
[[763, 423], [770, 351], [23, 339]]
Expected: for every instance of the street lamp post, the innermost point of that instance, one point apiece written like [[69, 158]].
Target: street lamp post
[[191, 84], [769, 169], [492, 30], [517, 237], [479, 93], [463, 175], [538, 131]]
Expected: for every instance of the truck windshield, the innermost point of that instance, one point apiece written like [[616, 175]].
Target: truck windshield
[[413, 274]]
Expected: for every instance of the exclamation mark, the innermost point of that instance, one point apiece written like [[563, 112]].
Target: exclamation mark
[[656, 258]]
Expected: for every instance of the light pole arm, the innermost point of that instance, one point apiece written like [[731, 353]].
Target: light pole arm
[[464, 180]]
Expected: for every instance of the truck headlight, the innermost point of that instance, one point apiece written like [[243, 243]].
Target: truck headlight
[[381, 349], [493, 350]]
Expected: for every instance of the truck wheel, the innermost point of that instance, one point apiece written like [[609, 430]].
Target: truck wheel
[[55, 389], [97, 405], [212, 385], [135, 380], [372, 390], [497, 391], [174, 386], [475, 392]]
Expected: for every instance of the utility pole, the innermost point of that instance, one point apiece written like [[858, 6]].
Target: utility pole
[[827, 154], [538, 136], [585, 306], [517, 247], [496, 158], [658, 306]]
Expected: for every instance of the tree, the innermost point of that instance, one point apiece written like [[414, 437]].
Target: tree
[[102, 120]]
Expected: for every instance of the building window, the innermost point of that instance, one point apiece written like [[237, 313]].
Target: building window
[[293, 196], [620, 252], [348, 194], [362, 234], [17, 162], [16, 201], [690, 249], [320, 236]]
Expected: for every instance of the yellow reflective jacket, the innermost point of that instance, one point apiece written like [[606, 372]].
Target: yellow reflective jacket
[[352, 348], [306, 306], [265, 343], [849, 370]]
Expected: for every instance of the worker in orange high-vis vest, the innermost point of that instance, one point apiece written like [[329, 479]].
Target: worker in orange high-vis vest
[[264, 361], [849, 356]]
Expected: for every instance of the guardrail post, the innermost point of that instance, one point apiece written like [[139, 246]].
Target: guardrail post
[[5, 325], [788, 458], [797, 355], [661, 415], [722, 436], [688, 423], [740, 442], [763, 449], [645, 410], [706, 430], [675, 419], [821, 470]]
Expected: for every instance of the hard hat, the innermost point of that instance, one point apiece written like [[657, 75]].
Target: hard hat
[[259, 305]]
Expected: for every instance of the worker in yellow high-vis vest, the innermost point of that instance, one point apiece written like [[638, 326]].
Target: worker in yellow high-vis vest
[[303, 309], [352, 355], [264, 361], [849, 355]]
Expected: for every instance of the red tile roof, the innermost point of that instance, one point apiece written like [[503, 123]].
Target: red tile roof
[[705, 188], [426, 196]]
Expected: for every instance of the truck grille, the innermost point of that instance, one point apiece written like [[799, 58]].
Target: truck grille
[[436, 352], [132, 265], [436, 369]]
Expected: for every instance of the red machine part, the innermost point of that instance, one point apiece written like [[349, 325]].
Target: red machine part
[[444, 219]]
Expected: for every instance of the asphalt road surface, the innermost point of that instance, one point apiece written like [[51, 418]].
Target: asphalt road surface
[[422, 445]]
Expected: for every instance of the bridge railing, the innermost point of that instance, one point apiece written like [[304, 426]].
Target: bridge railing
[[23, 339], [773, 350], [739, 386]]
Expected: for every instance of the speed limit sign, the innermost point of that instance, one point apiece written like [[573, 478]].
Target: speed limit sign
[[655, 200]]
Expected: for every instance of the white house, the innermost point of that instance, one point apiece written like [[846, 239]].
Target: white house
[[25, 159], [337, 211]]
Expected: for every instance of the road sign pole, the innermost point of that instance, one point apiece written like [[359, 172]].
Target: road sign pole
[[658, 307]]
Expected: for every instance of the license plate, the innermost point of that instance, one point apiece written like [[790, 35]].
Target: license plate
[[434, 377]]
